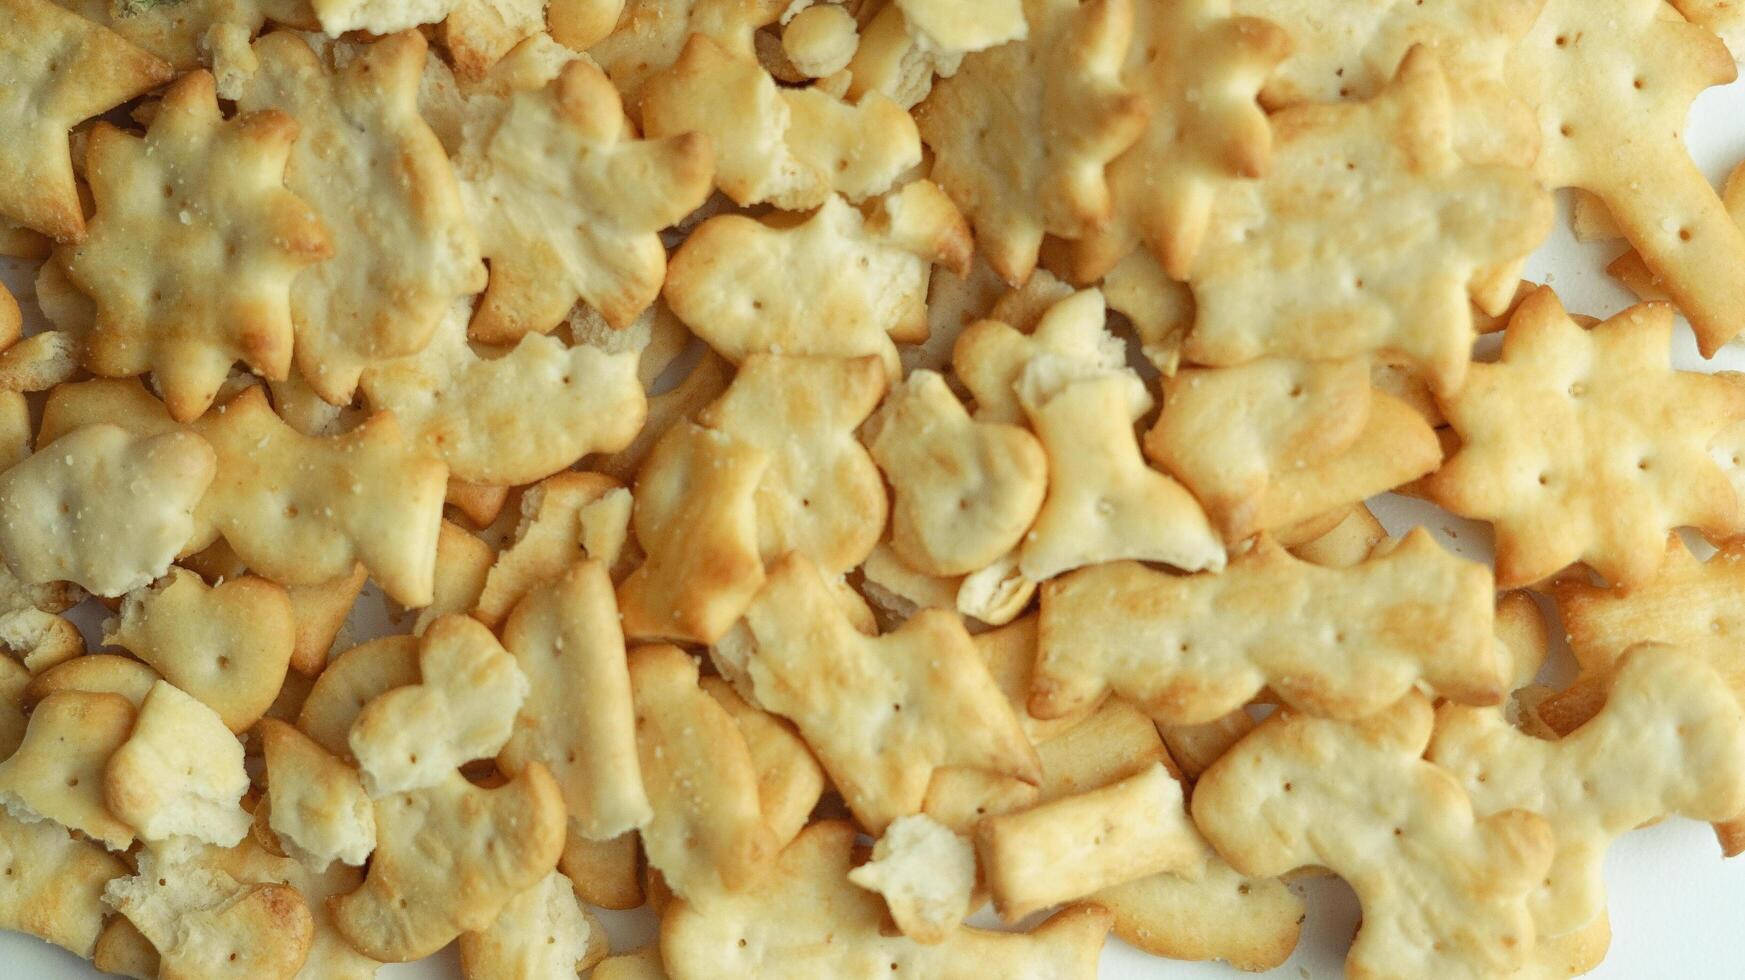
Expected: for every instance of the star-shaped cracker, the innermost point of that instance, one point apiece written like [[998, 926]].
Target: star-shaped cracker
[[1064, 80], [378, 179], [882, 713], [1612, 83], [193, 247], [1364, 237], [1199, 70], [1615, 453], [57, 70]]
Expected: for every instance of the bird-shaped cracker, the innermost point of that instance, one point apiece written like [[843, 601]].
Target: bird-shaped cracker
[[1615, 455], [1064, 80], [57, 70], [1444, 894], [193, 247], [884, 712], [1364, 237], [1670, 740], [1613, 82]]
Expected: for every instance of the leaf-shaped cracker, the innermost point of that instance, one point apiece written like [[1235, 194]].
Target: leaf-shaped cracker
[[881, 712], [197, 194], [1364, 237], [1613, 83], [806, 920], [380, 182], [56, 886], [1343, 643], [57, 772], [1670, 740], [1443, 894], [1062, 80], [179, 774], [1616, 453], [569, 204], [57, 70], [840, 283]]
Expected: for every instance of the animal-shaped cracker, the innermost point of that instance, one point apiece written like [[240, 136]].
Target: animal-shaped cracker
[[1337, 642], [378, 179], [300, 509], [566, 638], [1063, 79], [57, 69], [1444, 894], [57, 772], [882, 713], [228, 646], [199, 190], [179, 773], [448, 858], [1616, 454], [317, 805], [696, 517], [55, 890], [1370, 189], [841, 283], [1612, 84], [463, 708], [103, 508], [543, 932], [805, 919], [569, 205], [1670, 740], [964, 492]]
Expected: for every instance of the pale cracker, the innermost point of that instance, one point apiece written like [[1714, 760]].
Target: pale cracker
[[789, 779], [319, 811], [926, 875], [543, 932], [564, 519], [180, 772], [354, 679]]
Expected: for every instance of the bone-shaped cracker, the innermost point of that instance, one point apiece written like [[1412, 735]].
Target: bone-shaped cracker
[[1341, 643], [1444, 894], [1615, 457], [195, 188], [318, 808], [1670, 740], [543, 932], [882, 713], [179, 774], [56, 886], [57, 772]]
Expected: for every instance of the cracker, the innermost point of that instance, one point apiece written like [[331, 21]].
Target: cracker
[[1370, 185], [882, 713], [56, 774], [566, 639], [318, 613], [39, 362], [651, 34], [1063, 79], [964, 27], [1070, 332], [643, 964], [926, 875], [1723, 17], [1444, 893], [122, 950], [179, 774], [564, 519], [98, 673], [354, 679], [17, 242], [478, 33], [605, 873], [15, 683], [1327, 641], [820, 40], [789, 779], [377, 16], [1616, 455], [227, 646], [892, 61], [378, 180], [1670, 740], [448, 859], [60, 70], [480, 505], [319, 812], [1592, 221], [195, 187], [841, 283], [462, 708], [542, 932]]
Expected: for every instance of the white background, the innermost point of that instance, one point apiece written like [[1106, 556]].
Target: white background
[[1677, 909]]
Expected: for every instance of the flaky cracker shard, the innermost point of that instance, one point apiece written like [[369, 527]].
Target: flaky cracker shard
[[448, 858], [198, 191], [569, 205], [299, 509], [882, 713], [103, 508], [841, 283], [926, 875], [1402, 226], [57, 69], [806, 920], [229, 646], [463, 708], [1064, 79], [543, 932], [564, 519], [179, 774], [478, 33], [578, 718], [1670, 740], [317, 805], [1342, 643], [379, 181], [1444, 894], [1616, 454], [1612, 84], [55, 890], [56, 775]]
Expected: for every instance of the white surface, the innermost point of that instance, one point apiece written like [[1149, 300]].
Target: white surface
[[1675, 906]]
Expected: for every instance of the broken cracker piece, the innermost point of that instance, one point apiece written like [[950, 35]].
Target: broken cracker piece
[[318, 808], [543, 932], [179, 774], [926, 874]]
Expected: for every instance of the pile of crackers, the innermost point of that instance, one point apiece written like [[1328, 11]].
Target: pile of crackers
[[835, 465]]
